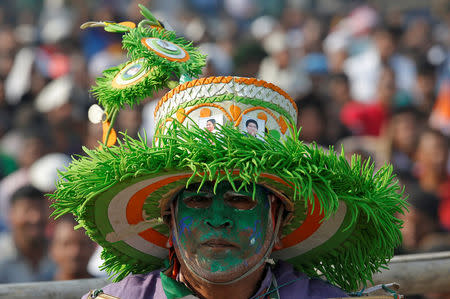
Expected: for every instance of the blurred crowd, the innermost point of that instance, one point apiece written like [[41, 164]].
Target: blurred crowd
[[371, 78]]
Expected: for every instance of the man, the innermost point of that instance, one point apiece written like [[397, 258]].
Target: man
[[252, 127], [222, 241], [70, 249], [420, 221], [226, 216], [24, 253]]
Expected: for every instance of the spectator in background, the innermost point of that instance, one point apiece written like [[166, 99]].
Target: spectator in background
[[24, 252], [339, 90], [70, 249], [370, 118], [279, 69], [431, 170], [55, 103], [339, 96], [400, 138], [5, 116], [421, 220], [335, 46], [431, 161], [33, 146], [424, 91], [417, 37], [365, 69], [312, 120], [247, 58]]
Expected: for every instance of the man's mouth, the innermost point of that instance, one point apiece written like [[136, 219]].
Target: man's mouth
[[218, 243]]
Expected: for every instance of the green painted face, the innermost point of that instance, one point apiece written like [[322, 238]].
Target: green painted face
[[222, 234]]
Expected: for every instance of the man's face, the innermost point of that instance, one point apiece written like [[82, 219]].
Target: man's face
[[415, 227], [222, 235], [432, 152], [209, 126], [252, 129], [28, 219], [71, 249]]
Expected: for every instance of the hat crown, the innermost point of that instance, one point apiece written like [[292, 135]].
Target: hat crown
[[229, 99]]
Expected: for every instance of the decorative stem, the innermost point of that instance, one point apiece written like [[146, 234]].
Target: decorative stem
[[111, 124]]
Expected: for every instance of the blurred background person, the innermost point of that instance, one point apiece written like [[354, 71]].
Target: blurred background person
[[420, 221], [70, 249], [400, 138], [32, 145], [25, 251]]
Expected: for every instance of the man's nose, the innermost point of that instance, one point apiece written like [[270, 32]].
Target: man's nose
[[219, 222], [35, 216], [219, 215]]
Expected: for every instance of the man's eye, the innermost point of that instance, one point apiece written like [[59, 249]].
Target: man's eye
[[198, 201], [241, 202]]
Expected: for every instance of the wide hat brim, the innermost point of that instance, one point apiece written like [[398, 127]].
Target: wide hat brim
[[343, 223]]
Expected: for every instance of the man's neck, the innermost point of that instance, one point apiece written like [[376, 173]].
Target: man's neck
[[241, 289]]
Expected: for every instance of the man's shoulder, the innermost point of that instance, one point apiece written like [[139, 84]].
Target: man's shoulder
[[136, 286], [293, 282]]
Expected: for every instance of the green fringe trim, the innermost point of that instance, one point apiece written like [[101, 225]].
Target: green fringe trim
[[132, 43], [110, 97], [373, 198]]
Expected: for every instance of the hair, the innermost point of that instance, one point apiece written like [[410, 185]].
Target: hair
[[341, 78], [26, 192], [435, 133], [315, 102], [383, 29], [212, 120], [424, 68], [251, 121], [397, 112]]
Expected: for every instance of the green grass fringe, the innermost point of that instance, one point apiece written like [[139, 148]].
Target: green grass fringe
[[373, 197], [131, 41], [111, 98]]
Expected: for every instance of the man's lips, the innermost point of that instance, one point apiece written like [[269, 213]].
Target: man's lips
[[219, 243]]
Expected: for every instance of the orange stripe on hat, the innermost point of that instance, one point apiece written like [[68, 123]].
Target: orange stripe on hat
[[136, 204], [307, 228]]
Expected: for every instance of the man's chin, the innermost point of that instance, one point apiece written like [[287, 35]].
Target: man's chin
[[216, 271], [217, 253], [36, 239]]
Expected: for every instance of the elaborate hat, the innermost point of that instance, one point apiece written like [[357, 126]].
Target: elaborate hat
[[340, 220]]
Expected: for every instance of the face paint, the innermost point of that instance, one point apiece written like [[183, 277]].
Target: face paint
[[224, 233]]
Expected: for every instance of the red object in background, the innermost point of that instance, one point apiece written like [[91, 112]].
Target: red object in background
[[444, 206], [440, 116], [51, 62], [364, 119]]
